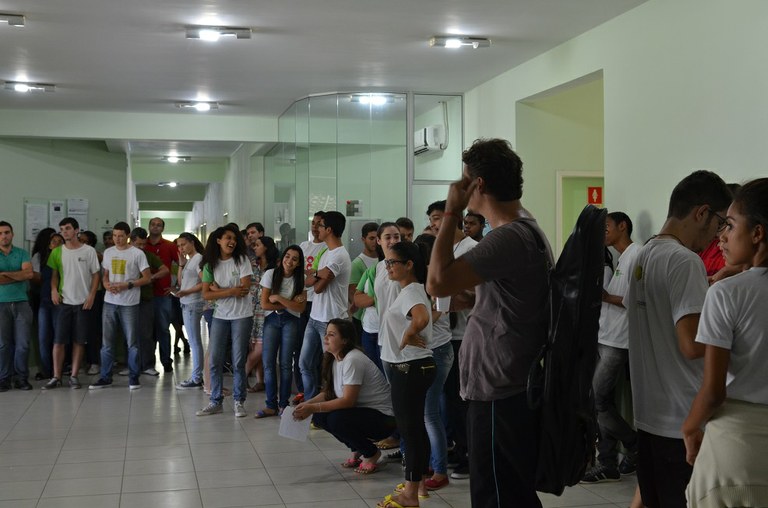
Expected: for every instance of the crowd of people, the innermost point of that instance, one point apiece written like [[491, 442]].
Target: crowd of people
[[424, 345]]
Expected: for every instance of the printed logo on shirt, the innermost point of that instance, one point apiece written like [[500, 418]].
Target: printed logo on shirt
[[118, 266], [310, 260], [638, 272]]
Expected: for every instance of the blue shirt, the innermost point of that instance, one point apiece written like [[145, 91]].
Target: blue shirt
[[15, 291]]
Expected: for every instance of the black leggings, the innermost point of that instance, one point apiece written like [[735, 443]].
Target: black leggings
[[410, 382], [357, 427]]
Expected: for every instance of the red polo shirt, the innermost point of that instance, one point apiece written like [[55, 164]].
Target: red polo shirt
[[713, 258], [168, 254]]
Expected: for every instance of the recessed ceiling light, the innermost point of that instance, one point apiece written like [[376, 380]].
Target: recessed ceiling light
[[167, 184], [197, 105], [20, 86], [459, 41], [213, 33], [373, 99], [173, 159], [12, 19]]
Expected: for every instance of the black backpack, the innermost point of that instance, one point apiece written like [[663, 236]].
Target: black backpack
[[560, 380]]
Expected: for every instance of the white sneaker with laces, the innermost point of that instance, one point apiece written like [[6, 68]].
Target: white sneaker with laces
[[240, 410], [151, 372], [211, 409]]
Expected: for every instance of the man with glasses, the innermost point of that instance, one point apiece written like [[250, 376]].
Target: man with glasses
[[330, 283], [664, 301]]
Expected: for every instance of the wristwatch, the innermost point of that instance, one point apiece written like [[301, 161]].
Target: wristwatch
[[130, 284]]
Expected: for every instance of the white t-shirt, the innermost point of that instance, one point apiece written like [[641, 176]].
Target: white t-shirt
[[441, 330], [286, 289], [735, 318], [76, 268], [370, 314], [396, 320], [36, 262], [123, 266], [386, 291], [466, 244], [227, 275], [667, 282], [310, 250], [333, 302], [190, 277], [613, 319], [357, 369]]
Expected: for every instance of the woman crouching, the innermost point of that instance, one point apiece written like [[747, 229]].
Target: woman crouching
[[354, 404]]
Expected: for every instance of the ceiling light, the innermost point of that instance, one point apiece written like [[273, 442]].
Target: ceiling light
[[212, 33], [373, 99], [457, 41], [20, 86], [167, 184], [12, 19], [173, 159], [197, 105]]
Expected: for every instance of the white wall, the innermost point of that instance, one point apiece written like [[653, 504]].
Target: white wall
[[684, 84]]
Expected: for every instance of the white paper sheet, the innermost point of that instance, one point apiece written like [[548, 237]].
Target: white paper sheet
[[292, 429]]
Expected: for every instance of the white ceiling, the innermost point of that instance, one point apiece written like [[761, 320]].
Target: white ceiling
[[132, 55]]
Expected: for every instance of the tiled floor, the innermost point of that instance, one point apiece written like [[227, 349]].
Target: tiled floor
[[144, 449]]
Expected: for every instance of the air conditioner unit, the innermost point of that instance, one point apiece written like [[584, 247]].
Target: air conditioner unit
[[429, 139]]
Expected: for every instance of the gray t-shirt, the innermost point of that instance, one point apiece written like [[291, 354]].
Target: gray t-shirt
[[509, 321]]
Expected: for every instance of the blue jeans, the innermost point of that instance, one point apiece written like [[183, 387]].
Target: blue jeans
[[370, 343], [127, 317], [240, 332], [15, 329], [280, 332], [162, 307], [191, 314], [611, 364], [311, 356], [438, 441], [46, 317]]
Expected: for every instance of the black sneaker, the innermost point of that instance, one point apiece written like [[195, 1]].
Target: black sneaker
[[628, 464], [133, 383], [101, 383], [461, 472], [5, 386], [22, 385], [601, 473], [395, 456]]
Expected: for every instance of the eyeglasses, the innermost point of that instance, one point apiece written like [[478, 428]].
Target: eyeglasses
[[322, 226], [721, 221], [390, 262]]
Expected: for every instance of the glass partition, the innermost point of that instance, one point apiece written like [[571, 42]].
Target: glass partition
[[350, 152]]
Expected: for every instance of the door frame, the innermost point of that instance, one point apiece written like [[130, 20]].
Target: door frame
[[559, 176]]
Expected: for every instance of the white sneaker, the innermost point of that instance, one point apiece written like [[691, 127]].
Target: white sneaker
[[240, 410], [151, 372], [94, 369], [210, 409], [124, 372]]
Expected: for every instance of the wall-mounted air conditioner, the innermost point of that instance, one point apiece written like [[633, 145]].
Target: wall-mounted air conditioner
[[429, 139]]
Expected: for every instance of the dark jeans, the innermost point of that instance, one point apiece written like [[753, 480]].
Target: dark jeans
[[297, 352], [410, 382], [370, 343], [503, 452], [15, 332], [147, 334], [93, 347], [662, 472], [280, 336], [456, 407], [46, 318], [357, 427], [611, 364], [162, 307]]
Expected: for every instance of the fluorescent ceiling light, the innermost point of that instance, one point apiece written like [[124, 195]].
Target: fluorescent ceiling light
[[167, 184], [197, 105], [212, 33], [20, 86], [12, 19], [459, 41], [173, 159], [373, 99]]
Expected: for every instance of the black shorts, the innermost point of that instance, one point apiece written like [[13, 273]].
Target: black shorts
[[662, 471], [73, 324]]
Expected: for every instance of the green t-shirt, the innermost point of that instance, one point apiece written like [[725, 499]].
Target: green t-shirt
[[359, 265], [15, 291]]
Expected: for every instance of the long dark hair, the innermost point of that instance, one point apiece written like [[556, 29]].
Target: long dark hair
[[411, 252], [348, 335], [271, 254], [194, 241], [212, 253], [298, 273], [42, 240]]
